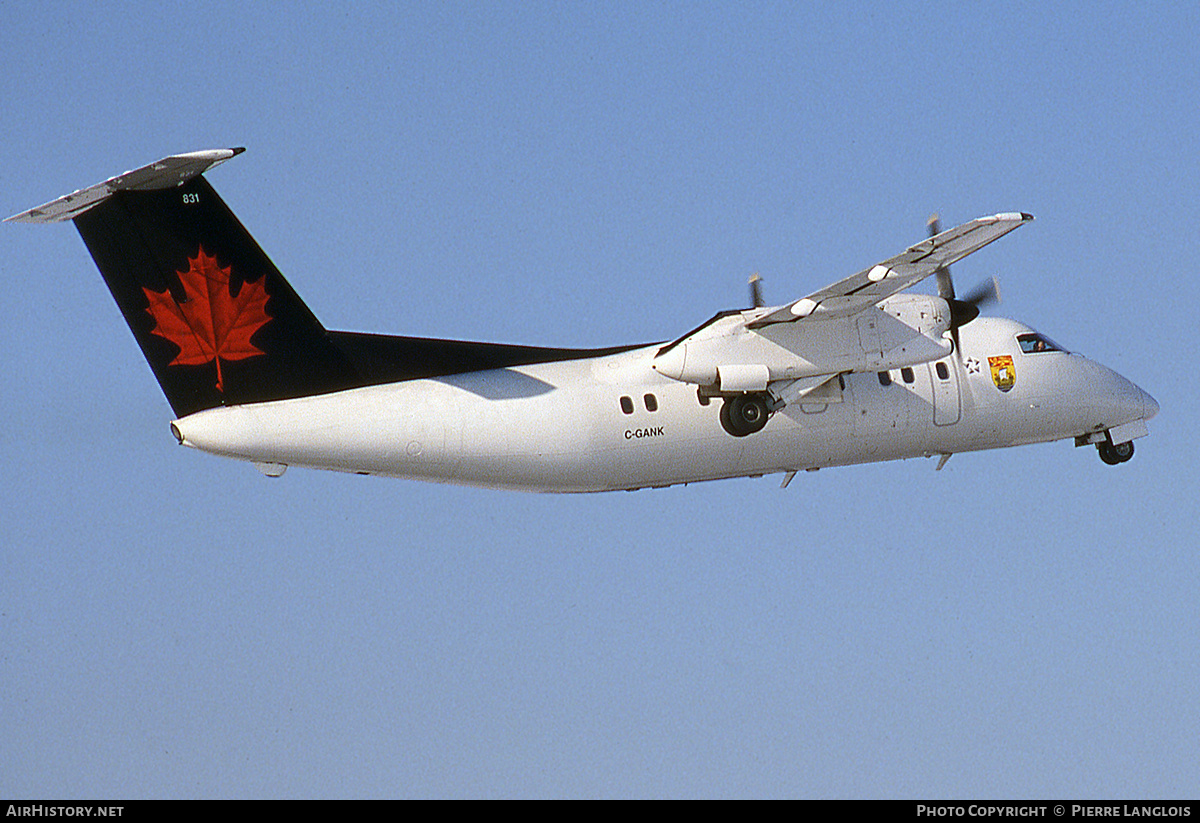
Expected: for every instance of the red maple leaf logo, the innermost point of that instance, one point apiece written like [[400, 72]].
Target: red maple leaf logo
[[211, 325]]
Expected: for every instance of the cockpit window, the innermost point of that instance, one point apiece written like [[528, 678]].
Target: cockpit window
[[1037, 343]]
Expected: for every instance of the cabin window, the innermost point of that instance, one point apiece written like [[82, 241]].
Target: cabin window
[[651, 403], [627, 405], [907, 374], [885, 378], [943, 370], [1037, 343]]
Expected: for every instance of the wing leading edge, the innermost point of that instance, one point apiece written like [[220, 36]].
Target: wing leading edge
[[868, 287]]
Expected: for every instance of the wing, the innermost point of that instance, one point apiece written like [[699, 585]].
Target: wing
[[863, 290]]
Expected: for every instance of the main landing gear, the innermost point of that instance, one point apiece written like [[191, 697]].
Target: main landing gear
[[744, 414], [1112, 454]]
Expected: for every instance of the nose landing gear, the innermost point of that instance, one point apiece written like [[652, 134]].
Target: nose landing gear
[[744, 414], [1112, 454]]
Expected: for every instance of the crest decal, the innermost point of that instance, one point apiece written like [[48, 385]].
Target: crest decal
[[1004, 374]]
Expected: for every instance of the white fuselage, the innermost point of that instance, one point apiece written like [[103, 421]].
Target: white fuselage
[[563, 426]]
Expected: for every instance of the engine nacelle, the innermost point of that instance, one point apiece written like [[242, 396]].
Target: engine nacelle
[[903, 330]]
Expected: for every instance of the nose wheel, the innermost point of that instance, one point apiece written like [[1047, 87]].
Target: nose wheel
[[1112, 454], [744, 414]]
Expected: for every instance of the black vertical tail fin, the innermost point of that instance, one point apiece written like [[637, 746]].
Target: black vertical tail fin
[[215, 319]]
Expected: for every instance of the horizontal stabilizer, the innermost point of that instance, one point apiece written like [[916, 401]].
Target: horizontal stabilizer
[[163, 174]]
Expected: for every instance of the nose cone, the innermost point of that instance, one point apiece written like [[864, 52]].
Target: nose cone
[[1106, 398], [1128, 401], [1149, 405]]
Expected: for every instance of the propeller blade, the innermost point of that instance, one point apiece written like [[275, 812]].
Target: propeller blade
[[944, 282], [984, 294], [965, 310], [756, 298], [960, 312]]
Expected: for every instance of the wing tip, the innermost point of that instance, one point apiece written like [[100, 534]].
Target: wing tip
[[1018, 217]]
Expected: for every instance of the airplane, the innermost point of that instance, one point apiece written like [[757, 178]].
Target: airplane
[[856, 372]]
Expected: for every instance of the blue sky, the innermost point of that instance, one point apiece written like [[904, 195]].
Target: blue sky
[[1021, 624]]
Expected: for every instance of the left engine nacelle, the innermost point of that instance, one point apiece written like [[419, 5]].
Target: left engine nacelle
[[903, 330]]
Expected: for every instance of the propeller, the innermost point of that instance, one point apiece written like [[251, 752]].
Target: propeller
[[756, 298], [944, 282], [967, 309], [984, 294]]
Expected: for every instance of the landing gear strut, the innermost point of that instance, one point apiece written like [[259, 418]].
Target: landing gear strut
[[744, 414], [1114, 454]]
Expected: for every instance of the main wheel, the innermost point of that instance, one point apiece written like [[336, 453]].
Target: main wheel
[[744, 414]]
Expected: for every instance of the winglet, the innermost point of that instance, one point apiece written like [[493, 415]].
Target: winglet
[[162, 174]]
